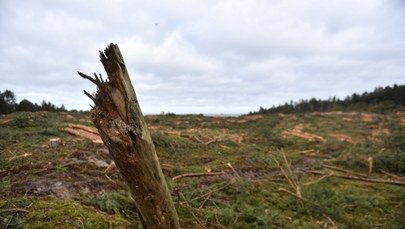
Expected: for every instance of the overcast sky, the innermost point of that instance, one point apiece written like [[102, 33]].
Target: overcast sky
[[208, 56]]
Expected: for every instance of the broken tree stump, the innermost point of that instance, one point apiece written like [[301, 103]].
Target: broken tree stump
[[122, 127]]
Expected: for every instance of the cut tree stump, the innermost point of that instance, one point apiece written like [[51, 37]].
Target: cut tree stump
[[122, 127]]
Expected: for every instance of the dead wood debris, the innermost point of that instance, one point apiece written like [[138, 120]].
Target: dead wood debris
[[197, 175], [19, 156], [359, 178], [84, 132], [2, 122], [344, 138], [14, 210], [297, 132]]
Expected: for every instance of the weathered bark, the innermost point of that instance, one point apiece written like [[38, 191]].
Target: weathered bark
[[122, 127]]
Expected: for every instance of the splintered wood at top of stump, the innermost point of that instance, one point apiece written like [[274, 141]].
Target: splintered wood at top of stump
[[122, 127]]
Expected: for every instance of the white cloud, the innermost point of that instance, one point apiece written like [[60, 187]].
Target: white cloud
[[204, 56]]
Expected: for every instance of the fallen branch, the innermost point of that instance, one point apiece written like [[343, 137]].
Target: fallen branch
[[211, 140], [110, 167], [344, 170], [392, 175], [14, 210], [197, 175], [233, 169], [317, 181], [19, 156], [333, 223], [352, 177]]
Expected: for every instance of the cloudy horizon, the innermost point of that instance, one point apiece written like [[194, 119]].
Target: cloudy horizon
[[210, 57]]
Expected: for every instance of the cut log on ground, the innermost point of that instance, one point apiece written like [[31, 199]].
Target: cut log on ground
[[122, 127], [84, 132]]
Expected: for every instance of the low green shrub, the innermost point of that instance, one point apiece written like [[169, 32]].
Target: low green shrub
[[392, 158], [118, 202]]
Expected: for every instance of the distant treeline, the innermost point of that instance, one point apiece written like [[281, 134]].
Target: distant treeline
[[380, 100], [8, 104]]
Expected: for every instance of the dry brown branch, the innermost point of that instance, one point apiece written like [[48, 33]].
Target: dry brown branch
[[197, 175], [365, 179]]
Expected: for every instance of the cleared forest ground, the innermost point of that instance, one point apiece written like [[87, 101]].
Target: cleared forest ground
[[340, 170]]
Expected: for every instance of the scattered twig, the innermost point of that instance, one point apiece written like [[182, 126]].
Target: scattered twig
[[233, 169], [198, 139], [289, 175], [191, 211], [108, 178], [291, 193], [14, 210], [316, 181], [344, 170], [197, 175], [207, 195], [168, 165], [19, 156], [392, 175], [365, 179], [333, 223], [211, 141], [110, 167]]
